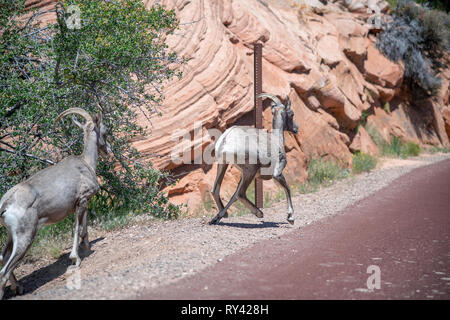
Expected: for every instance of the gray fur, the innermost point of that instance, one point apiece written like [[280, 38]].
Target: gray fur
[[49, 196], [256, 153]]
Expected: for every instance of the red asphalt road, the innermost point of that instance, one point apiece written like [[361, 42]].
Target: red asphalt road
[[403, 229]]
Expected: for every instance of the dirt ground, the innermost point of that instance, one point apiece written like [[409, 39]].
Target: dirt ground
[[151, 253], [400, 235]]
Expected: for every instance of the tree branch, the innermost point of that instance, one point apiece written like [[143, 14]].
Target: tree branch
[[28, 156]]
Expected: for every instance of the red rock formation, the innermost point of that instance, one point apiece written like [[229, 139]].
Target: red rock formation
[[322, 56], [363, 143], [446, 115]]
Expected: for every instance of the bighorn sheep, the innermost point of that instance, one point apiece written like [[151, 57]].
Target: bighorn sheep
[[50, 195], [240, 145]]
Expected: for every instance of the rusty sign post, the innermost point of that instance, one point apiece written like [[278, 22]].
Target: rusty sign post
[[258, 112]]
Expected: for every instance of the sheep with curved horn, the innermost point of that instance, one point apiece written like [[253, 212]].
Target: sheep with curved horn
[[256, 153], [50, 195]]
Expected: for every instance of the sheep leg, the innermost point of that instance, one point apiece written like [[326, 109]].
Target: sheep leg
[[243, 196], [15, 286], [221, 213], [21, 240], [84, 232], [76, 235], [221, 169], [290, 210], [18, 289]]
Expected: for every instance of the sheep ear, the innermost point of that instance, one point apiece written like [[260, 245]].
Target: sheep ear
[[288, 103], [79, 125]]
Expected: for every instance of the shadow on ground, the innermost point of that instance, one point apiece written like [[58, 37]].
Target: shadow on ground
[[40, 277], [263, 224]]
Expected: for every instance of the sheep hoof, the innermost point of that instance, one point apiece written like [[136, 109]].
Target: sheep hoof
[[18, 290], [76, 261], [290, 219], [215, 220], [85, 246]]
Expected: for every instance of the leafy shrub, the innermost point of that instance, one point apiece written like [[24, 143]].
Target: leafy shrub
[[393, 148], [436, 149], [410, 149], [112, 60], [363, 162], [364, 115], [397, 148], [325, 171], [436, 31], [416, 36]]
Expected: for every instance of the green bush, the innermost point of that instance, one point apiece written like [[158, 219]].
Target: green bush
[[364, 115], [397, 148], [112, 59], [436, 149], [417, 35], [363, 162], [325, 171], [393, 148], [409, 149]]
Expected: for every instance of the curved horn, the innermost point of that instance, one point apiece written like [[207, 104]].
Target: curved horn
[[79, 111], [271, 97]]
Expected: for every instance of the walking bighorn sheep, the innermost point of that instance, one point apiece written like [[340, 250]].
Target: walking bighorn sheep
[[50, 195], [255, 152]]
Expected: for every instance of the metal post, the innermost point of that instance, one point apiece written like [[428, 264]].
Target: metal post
[[258, 112]]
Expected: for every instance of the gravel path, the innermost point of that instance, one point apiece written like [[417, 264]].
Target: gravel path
[[402, 231], [125, 263]]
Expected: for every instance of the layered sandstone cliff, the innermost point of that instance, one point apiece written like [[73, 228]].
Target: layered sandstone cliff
[[319, 53]]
